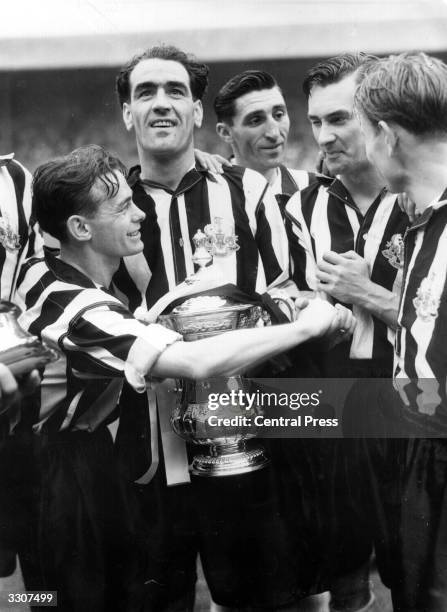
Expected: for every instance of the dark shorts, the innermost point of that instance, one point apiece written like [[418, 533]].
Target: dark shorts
[[85, 545]]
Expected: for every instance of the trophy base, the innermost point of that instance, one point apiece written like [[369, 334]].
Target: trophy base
[[220, 462]]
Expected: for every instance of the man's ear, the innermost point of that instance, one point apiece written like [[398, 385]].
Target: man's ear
[[390, 136], [198, 113], [224, 131], [78, 228], [127, 117]]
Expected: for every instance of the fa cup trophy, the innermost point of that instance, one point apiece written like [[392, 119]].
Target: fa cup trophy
[[225, 450]]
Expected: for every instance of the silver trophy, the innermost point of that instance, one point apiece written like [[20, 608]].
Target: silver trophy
[[226, 450], [19, 350]]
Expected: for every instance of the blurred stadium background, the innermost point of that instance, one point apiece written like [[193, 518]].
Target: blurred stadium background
[[58, 60]]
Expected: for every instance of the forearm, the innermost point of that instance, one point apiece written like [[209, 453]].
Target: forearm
[[229, 353], [380, 302]]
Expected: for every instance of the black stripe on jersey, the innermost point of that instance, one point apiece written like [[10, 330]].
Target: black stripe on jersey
[[342, 236], [177, 242], [264, 241], [86, 334], [36, 290], [197, 209], [288, 183], [247, 256]]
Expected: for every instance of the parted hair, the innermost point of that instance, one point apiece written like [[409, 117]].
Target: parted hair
[[62, 187], [337, 68], [239, 85], [198, 72], [409, 90]]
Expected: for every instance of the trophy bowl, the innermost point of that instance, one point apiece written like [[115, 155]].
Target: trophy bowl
[[225, 441], [19, 350]]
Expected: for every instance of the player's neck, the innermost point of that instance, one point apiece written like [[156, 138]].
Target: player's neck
[[364, 184], [99, 268], [269, 174], [426, 173], [167, 170]]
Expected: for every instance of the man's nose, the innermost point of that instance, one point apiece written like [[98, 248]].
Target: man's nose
[[137, 214], [272, 130], [325, 135], [161, 100]]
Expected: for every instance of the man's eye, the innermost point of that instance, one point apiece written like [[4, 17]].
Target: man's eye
[[279, 115], [315, 123], [338, 120], [176, 92], [254, 121]]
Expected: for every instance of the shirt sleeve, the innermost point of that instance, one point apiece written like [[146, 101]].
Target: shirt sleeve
[[105, 340]]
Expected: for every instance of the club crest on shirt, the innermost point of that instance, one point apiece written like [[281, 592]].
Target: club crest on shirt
[[220, 238], [394, 251], [8, 237], [427, 300]]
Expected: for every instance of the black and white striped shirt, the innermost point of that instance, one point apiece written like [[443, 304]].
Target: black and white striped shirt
[[19, 236], [421, 340], [94, 332], [240, 197], [324, 217], [288, 181]]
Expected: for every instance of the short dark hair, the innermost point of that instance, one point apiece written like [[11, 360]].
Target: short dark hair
[[337, 68], [198, 72], [410, 90], [237, 86], [62, 186]]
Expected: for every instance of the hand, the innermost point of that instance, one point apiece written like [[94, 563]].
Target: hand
[[342, 326], [211, 162], [407, 205], [318, 317], [344, 276], [11, 389]]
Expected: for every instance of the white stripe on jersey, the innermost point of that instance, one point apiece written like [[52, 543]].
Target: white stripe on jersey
[[184, 228], [363, 336], [219, 198]]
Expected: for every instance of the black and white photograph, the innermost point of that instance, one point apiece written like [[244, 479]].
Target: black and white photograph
[[223, 281]]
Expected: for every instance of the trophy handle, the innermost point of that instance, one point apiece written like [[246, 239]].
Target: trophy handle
[[286, 304]]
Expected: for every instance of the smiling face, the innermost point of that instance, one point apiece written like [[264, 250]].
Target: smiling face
[[115, 226], [335, 126], [161, 108], [259, 129]]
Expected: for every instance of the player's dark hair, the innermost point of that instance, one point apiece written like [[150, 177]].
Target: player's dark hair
[[237, 86]]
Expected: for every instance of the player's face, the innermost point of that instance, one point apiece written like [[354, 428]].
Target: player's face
[[115, 227], [260, 129], [335, 126], [161, 109], [379, 154]]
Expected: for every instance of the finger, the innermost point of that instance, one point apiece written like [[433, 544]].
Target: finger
[[301, 303], [350, 255], [332, 257], [223, 161], [324, 277], [325, 267], [8, 384]]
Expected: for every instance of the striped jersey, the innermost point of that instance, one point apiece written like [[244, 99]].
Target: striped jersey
[[287, 182], [420, 373], [19, 236], [240, 198], [94, 333], [324, 217]]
